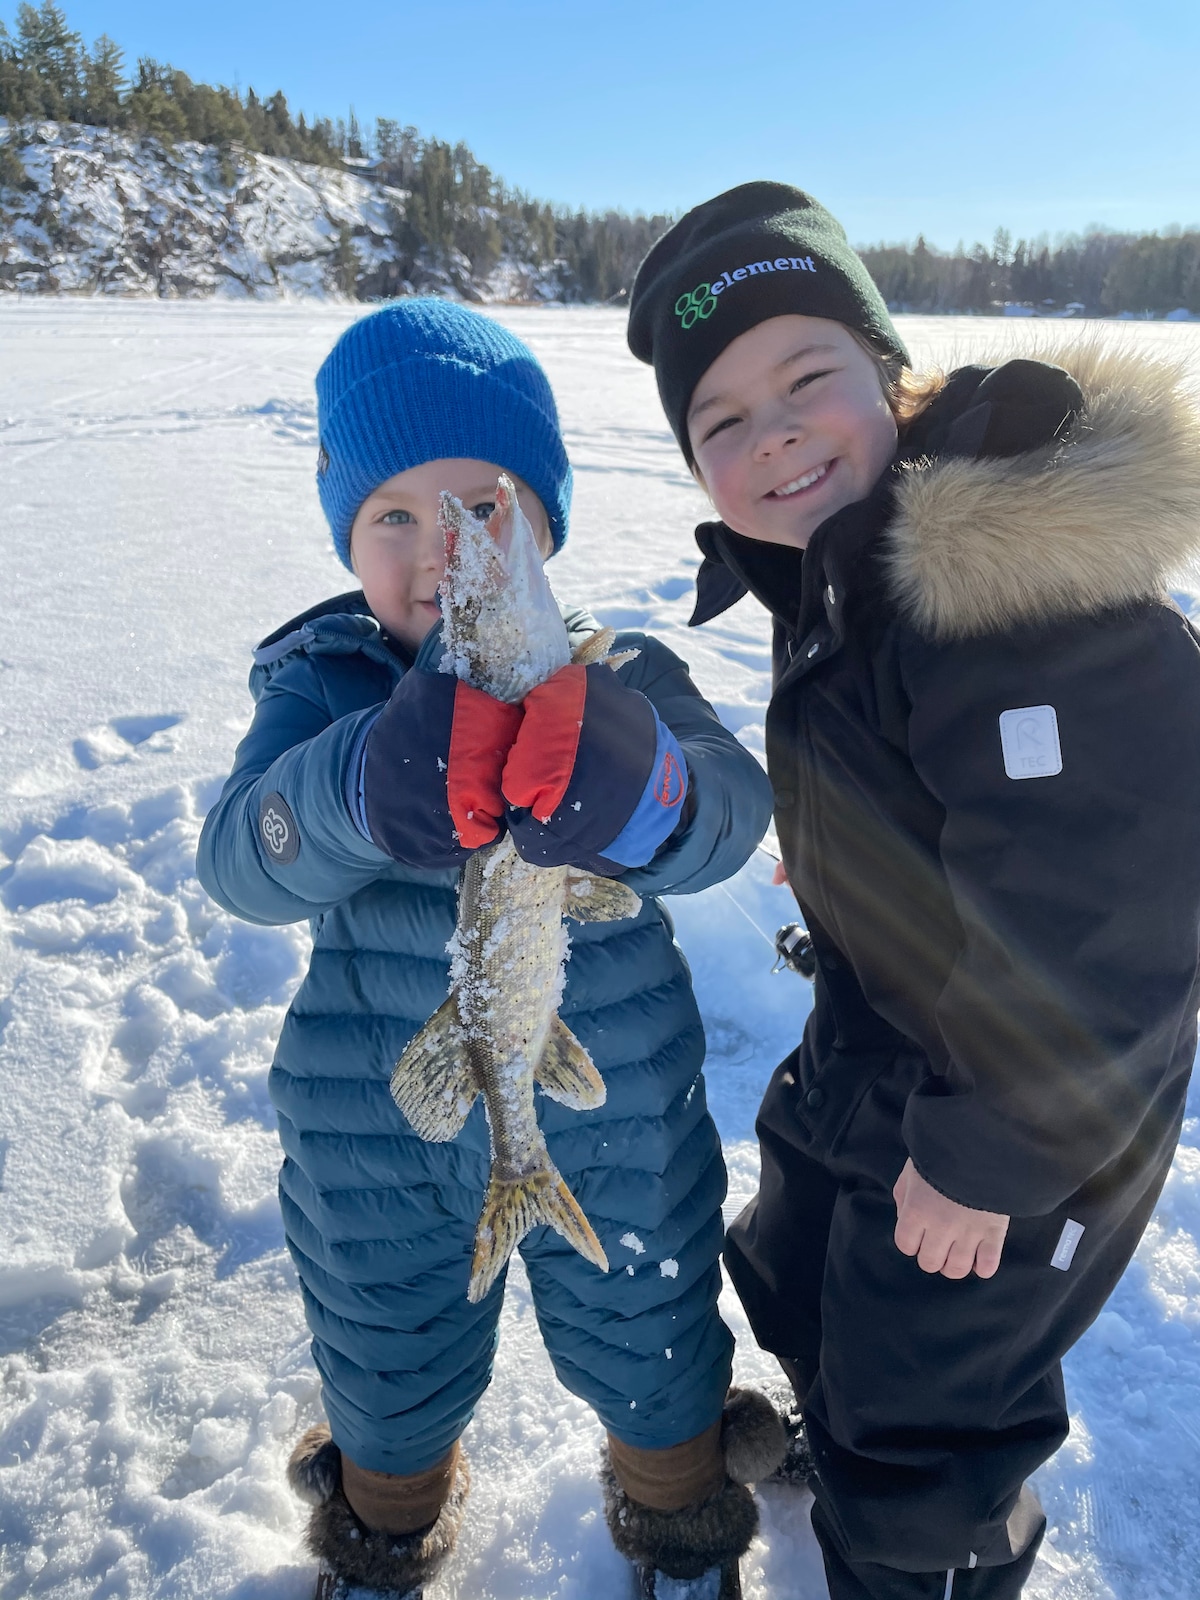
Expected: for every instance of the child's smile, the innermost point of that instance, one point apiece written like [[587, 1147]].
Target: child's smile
[[789, 424], [798, 486]]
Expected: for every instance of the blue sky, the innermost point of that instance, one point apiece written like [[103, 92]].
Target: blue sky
[[947, 118]]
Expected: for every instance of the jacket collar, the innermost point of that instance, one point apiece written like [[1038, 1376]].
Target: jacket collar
[[734, 566], [782, 578], [344, 622], [352, 603]]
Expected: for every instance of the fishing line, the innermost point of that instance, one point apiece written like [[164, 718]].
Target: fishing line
[[792, 945], [761, 932]]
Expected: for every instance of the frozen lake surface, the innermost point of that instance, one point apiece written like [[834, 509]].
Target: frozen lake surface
[[158, 517]]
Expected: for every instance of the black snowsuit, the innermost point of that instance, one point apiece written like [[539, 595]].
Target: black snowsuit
[[1006, 917]]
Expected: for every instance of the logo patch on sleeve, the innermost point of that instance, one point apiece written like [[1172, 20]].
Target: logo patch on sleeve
[[278, 828], [1029, 739], [668, 783]]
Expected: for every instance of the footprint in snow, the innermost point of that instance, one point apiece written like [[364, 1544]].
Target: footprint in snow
[[120, 738], [295, 421]]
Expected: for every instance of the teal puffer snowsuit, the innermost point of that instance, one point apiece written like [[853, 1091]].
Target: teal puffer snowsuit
[[381, 1224]]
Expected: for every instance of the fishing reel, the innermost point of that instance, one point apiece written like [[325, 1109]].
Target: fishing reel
[[794, 950], [793, 943]]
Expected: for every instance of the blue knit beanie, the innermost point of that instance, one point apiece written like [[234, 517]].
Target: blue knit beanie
[[425, 380]]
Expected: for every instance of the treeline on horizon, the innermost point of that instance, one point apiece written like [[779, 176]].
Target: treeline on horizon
[[1102, 273], [453, 203]]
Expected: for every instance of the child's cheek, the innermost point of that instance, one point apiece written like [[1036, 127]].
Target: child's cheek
[[720, 477]]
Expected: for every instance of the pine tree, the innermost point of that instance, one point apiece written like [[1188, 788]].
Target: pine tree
[[103, 82], [355, 147], [153, 107], [48, 49], [12, 79]]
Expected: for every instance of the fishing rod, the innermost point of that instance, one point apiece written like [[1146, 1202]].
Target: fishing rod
[[792, 944]]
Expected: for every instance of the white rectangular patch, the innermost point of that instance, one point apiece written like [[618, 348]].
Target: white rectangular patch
[[1068, 1241], [1029, 739]]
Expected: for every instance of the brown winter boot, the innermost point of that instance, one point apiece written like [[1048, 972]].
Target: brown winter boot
[[684, 1516], [376, 1530]]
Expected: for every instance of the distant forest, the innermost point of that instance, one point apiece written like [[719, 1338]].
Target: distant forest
[[1098, 273], [455, 203]]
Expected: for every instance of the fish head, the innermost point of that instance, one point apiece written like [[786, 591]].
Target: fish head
[[503, 630]]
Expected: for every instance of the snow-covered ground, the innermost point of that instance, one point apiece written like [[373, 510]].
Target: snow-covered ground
[[157, 516]]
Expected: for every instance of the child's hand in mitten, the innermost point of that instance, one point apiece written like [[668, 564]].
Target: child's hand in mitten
[[944, 1236], [594, 779], [430, 776]]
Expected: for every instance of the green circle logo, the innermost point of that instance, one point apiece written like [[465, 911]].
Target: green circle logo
[[697, 306]]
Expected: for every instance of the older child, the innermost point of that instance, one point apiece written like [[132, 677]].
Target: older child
[[984, 740], [342, 808]]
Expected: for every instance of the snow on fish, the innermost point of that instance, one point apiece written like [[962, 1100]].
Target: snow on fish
[[499, 1031]]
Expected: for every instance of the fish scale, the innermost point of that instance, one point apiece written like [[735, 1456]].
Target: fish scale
[[498, 1032]]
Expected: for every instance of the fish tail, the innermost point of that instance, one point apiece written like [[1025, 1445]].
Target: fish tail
[[515, 1205]]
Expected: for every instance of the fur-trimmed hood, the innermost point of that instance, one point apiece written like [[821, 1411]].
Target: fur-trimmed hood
[[1106, 516]]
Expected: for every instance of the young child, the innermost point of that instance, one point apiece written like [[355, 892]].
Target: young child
[[984, 741], [341, 809]]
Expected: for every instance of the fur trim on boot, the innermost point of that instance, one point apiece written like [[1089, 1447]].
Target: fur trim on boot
[[753, 1437], [314, 1469], [695, 1551], [399, 1564], [680, 1544]]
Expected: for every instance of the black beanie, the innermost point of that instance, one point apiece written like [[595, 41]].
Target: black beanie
[[758, 251]]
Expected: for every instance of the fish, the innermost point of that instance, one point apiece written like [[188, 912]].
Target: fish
[[498, 1033]]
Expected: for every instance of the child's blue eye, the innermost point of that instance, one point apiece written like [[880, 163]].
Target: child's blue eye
[[483, 510], [397, 517]]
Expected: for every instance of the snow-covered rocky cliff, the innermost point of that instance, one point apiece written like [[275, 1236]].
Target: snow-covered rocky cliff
[[106, 212]]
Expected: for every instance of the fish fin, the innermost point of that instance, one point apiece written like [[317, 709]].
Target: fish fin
[[594, 651], [434, 1083], [567, 1073], [515, 1205], [592, 899], [621, 658], [594, 648]]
